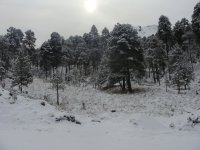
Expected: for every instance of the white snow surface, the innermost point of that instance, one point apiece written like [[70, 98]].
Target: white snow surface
[[147, 31], [142, 120]]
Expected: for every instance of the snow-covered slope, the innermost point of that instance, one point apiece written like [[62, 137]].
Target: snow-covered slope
[[149, 119], [147, 30], [27, 125]]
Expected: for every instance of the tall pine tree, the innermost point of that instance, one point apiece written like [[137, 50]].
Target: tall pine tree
[[22, 75], [165, 32], [125, 54]]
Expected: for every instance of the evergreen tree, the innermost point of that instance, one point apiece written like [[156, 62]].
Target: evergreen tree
[[104, 71], [196, 20], [22, 75], [56, 46], [95, 56], [46, 57], [165, 32], [57, 83], [104, 38], [182, 72], [76, 45], [125, 54], [94, 37], [68, 55], [180, 29], [15, 38], [190, 45], [29, 44], [2, 71], [155, 57], [4, 53]]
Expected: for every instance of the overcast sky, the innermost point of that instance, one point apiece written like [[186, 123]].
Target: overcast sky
[[69, 17]]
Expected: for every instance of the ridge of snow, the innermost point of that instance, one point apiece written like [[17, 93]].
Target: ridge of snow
[[147, 31]]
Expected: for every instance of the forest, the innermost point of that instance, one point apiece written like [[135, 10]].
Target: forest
[[107, 59], [119, 87]]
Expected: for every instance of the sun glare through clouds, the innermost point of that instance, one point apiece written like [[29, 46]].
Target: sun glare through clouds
[[90, 5]]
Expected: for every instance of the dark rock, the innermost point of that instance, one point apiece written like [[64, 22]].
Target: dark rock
[[58, 119], [42, 103], [96, 121], [77, 122], [194, 121], [68, 118], [113, 111], [72, 119]]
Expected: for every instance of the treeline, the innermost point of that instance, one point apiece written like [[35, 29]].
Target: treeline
[[106, 58]]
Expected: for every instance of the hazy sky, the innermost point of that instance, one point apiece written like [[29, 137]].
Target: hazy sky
[[69, 17]]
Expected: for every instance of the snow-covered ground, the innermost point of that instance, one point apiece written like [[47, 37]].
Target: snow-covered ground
[[149, 119], [27, 125]]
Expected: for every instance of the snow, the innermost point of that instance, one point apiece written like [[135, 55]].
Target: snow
[[147, 30], [142, 120], [148, 99]]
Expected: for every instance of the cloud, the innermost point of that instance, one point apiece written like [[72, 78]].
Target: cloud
[[68, 17]]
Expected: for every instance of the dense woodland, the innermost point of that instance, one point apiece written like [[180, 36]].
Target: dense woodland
[[105, 59]]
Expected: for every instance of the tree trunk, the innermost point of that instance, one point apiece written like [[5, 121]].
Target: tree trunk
[[57, 95], [158, 75], [185, 87], [62, 71], [124, 84], [66, 70], [129, 82], [149, 72], [179, 88], [69, 68], [154, 76], [46, 74], [20, 88]]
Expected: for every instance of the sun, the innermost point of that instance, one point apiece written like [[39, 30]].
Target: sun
[[90, 5]]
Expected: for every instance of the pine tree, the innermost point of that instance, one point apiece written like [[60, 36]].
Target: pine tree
[[4, 53], [165, 32], [180, 29], [155, 57], [104, 71], [104, 38], [29, 44], [190, 45], [15, 38], [196, 20], [57, 83], [125, 54], [68, 58], [182, 72], [22, 72], [2, 71], [56, 46], [94, 38], [46, 57]]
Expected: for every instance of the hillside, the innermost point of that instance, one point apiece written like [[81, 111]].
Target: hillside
[[148, 119]]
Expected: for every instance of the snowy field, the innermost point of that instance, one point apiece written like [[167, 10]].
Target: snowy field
[[149, 119], [27, 125], [141, 121]]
